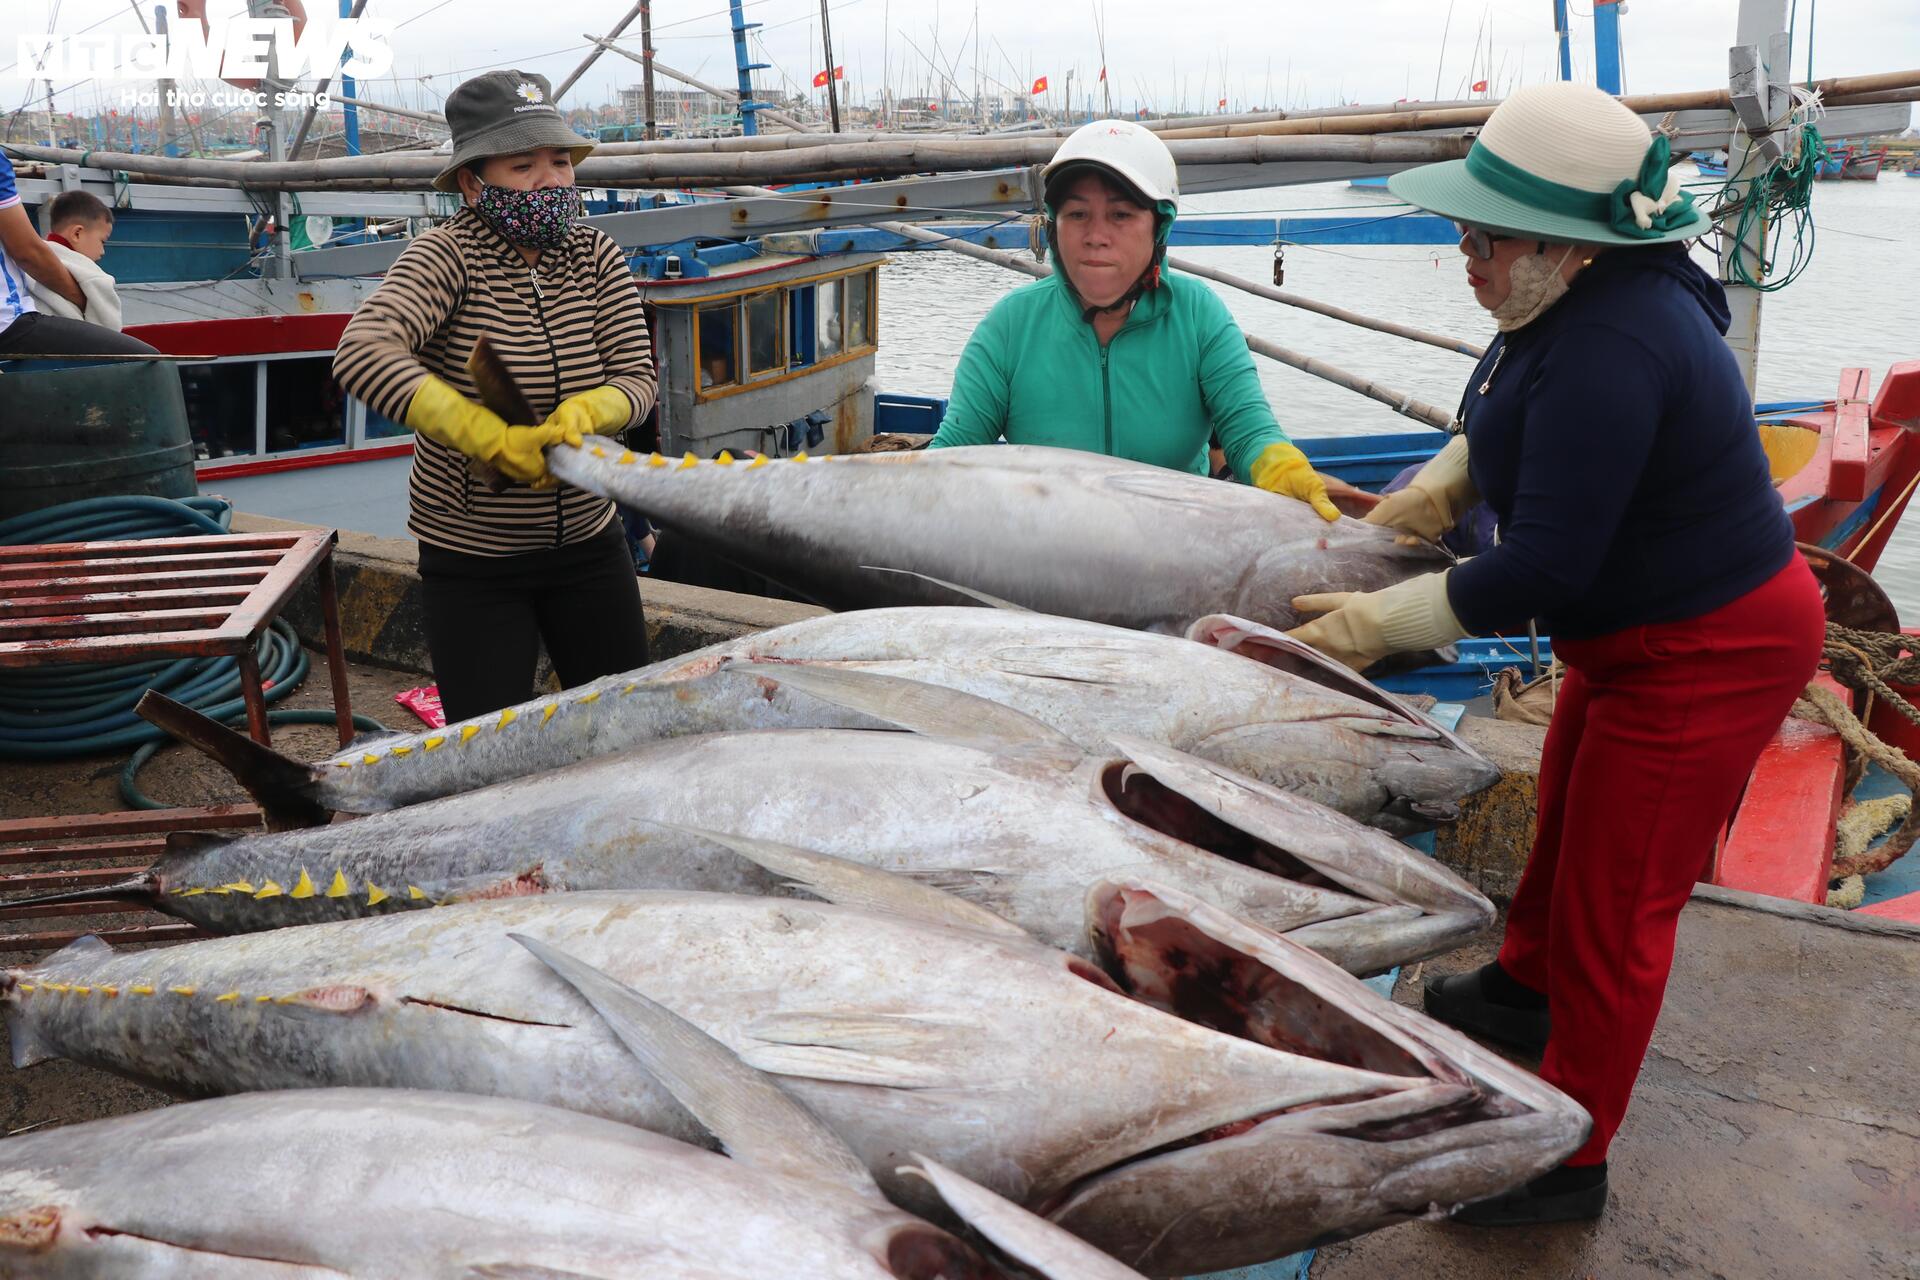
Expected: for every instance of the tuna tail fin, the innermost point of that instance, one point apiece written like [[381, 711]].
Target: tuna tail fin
[[757, 1122], [1051, 1251], [280, 785], [855, 884], [930, 709]]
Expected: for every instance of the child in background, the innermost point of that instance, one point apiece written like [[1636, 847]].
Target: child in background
[[78, 226]]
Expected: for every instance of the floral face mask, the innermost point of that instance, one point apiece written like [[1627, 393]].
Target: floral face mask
[[531, 219]]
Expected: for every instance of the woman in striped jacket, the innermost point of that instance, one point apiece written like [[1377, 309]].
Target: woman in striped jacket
[[509, 557]]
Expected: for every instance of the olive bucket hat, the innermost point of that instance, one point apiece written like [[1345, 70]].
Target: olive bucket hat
[[1562, 162], [503, 113]]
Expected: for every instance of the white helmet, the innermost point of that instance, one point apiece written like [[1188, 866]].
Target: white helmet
[[1134, 154]]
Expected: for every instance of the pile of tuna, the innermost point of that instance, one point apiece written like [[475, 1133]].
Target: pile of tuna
[[983, 942]]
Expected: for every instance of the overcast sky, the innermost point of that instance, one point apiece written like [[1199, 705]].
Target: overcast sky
[[1184, 55]]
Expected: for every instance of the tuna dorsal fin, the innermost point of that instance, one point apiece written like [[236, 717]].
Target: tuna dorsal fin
[[282, 786], [1050, 1250], [854, 884], [757, 1122], [930, 709], [980, 597]]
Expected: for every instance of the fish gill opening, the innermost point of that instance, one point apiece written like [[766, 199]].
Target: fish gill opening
[[1163, 959], [1144, 799], [927, 1253]]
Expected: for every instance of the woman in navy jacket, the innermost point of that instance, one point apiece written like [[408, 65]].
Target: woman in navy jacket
[[1612, 434]]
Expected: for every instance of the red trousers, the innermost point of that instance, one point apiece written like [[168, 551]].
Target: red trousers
[[1654, 733]]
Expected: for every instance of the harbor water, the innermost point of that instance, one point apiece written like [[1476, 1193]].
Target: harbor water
[[1857, 304]]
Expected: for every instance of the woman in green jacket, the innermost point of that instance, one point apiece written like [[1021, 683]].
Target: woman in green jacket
[[1113, 353]]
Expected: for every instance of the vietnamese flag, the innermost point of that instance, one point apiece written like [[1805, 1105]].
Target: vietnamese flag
[[1103, 75], [1039, 86], [820, 77], [1223, 104], [1479, 86]]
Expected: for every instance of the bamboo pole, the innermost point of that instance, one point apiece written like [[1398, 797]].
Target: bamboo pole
[[651, 63], [1291, 299], [410, 171], [599, 47], [313, 108], [1837, 91]]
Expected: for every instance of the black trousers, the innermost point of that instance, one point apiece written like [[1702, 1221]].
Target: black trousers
[[39, 334], [488, 615]]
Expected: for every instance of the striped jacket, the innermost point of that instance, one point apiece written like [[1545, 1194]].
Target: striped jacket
[[570, 325]]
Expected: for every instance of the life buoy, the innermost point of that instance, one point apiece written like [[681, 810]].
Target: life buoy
[[294, 9]]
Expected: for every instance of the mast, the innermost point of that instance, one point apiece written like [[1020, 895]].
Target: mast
[[1759, 72], [826, 44], [1606, 45], [646, 71], [1564, 38], [744, 66]]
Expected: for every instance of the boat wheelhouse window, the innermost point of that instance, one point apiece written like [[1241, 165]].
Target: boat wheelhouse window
[[829, 330], [222, 408], [306, 409], [381, 427], [860, 309], [717, 344], [765, 353]]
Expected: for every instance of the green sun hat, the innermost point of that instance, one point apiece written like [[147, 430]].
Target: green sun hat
[[503, 113], [1562, 162]]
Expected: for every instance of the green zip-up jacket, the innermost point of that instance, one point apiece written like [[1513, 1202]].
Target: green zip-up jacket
[[1034, 373]]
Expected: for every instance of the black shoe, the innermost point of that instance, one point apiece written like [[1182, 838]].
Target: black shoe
[[1559, 1195], [1488, 1002]]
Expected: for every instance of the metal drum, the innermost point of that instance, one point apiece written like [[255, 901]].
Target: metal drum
[[90, 431]]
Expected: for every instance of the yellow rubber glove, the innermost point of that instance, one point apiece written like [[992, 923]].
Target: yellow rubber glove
[[1283, 469], [1359, 628], [440, 413], [1433, 502], [597, 412]]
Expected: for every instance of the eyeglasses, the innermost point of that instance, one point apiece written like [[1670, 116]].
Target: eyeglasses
[[1479, 240]]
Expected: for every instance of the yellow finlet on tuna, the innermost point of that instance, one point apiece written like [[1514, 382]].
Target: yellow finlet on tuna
[[413, 892], [262, 999], [547, 714], [369, 758], [437, 741], [238, 886], [228, 998], [83, 991], [801, 456], [60, 987], [142, 990], [27, 987], [507, 717], [759, 460], [467, 731], [193, 892], [725, 459], [343, 764], [269, 890], [303, 887], [688, 461], [182, 991], [110, 993], [339, 888], [591, 697], [598, 452], [376, 895], [655, 460], [401, 751], [626, 459]]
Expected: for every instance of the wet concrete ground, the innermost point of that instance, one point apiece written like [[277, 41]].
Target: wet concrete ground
[[1774, 1133]]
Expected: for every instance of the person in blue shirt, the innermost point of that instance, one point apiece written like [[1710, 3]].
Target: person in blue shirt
[[24, 328], [1610, 431]]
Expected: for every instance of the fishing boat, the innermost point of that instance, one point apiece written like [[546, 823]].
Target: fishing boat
[[1851, 164]]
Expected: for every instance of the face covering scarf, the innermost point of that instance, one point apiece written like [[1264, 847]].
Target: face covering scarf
[[531, 219], [1532, 287]]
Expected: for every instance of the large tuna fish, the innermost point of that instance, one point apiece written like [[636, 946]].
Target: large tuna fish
[[1055, 530], [1290, 718], [1308, 1109], [1018, 825], [384, 1184]]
